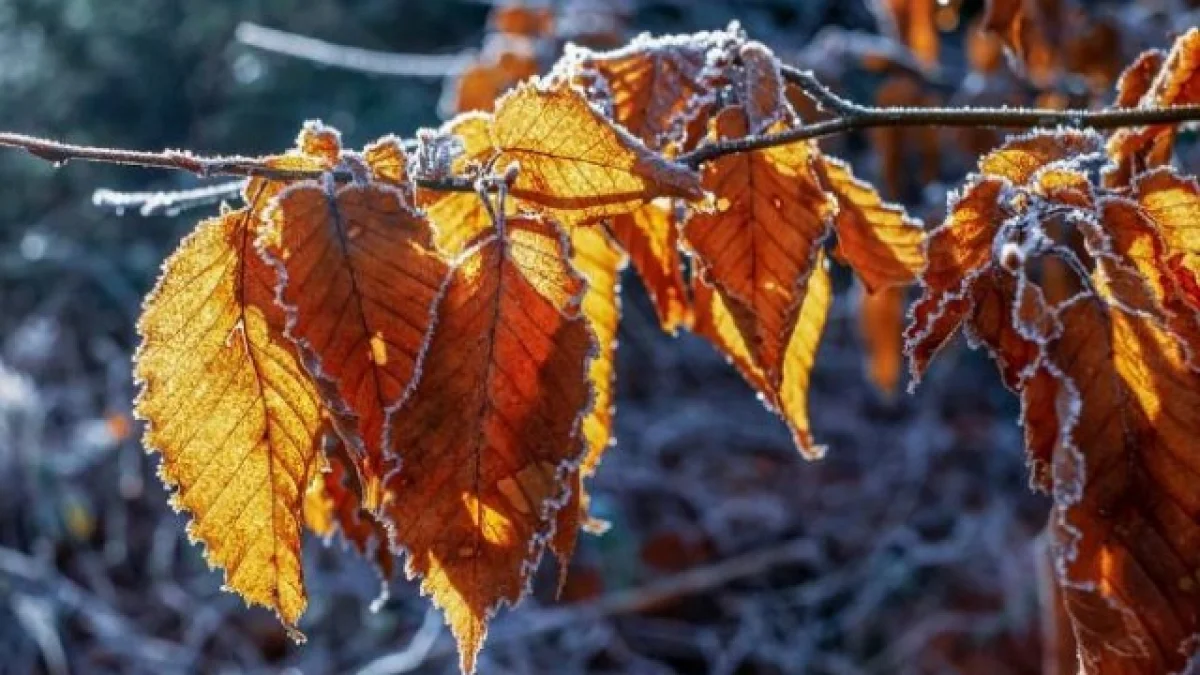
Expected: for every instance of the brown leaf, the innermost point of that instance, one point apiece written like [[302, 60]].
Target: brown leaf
[[1177, 82], [656, 85], [362, 279], [492, 430]]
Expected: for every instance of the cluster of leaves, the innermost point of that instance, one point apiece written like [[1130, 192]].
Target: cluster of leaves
[[456, 347], [1072, 259], [415, 350]]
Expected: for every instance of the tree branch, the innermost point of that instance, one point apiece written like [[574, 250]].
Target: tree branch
[[850, 117]]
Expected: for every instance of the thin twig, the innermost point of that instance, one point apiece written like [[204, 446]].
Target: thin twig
[[395, 64], [170, 202], [869, 118]]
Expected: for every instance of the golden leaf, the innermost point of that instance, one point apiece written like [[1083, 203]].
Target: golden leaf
[[492, 430], [651, 238], [459, 218], [600, 263], [878, 240], [231, 410], [574, 163], [361, 281]]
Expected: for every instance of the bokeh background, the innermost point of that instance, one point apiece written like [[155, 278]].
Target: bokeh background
[[910, 549]]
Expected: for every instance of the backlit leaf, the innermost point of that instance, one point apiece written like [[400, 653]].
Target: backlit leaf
[[574, 162], [600, 262], [651, 238], [759, 243], [493, 428], [231, 410], [719, 319], [362, 279], [878, 240], [1177, 82]]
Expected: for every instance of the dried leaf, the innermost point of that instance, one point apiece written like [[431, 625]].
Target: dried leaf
[[231, 410], [758, 245], [650, 236], [719, 319], [656, 85], [362, 279], [878, 240], [574, 162], [492, 430]]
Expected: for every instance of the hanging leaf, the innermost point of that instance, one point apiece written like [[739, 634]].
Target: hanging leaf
[[600, 262], [876, 239], [1177, 82], [758, 245], [361, 283], [492, 431], [719, 319], [230, 409], [575, 163], [650, 236]]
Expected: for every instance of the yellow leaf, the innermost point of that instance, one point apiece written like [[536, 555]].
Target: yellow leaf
[[576, 164], [600, 263], [231, 410]]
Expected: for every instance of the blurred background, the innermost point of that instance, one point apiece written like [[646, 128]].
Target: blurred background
[[910, 549]]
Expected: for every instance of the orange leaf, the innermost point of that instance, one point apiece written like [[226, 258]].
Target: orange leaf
[[492, 430], [719, 319], [1177, 82], [878, 240], [881, 321], [758, 245], [651, 238], [230, 409], [362, 278], [575, 163], [459, 218]]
